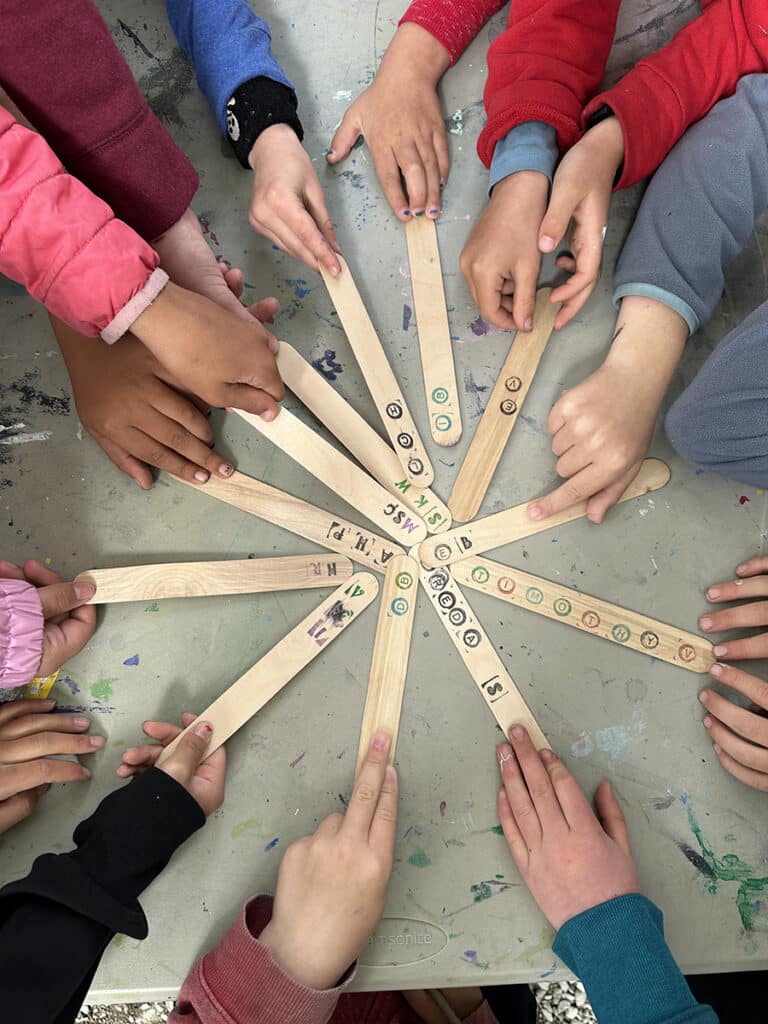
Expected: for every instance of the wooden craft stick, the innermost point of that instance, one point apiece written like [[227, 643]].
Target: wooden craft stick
[[391, 649], [209, 579], [340, 474], [483, 663], [358, 437], [380, 379], [513, 524], [435, 346], [589, 614], [300, 517], [285, 660], [501, 412]]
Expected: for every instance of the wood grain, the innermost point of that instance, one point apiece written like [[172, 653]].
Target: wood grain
[[502, 411], [379, 378], [435, 346], [359, 438], [209, 579], [391, 650], [314, 454], [513, 523], [589, 614], [486, 668], [284, 661], [299, 517]]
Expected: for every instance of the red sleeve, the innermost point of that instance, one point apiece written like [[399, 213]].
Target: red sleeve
[[545, 66], [666, 93], [60, 65], [454, 23]]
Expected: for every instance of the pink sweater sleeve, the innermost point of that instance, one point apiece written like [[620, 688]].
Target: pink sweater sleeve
[[21, 633], [454, 23], [64, 245]]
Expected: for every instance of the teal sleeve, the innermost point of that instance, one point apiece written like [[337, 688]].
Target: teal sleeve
[[618, 951]]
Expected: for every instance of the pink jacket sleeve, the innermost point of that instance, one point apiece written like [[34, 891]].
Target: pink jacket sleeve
[[64, 245], [21, 633], [238, 982]]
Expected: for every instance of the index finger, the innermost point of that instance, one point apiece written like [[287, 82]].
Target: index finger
[[538, 780], [583, 485], [368, 785]]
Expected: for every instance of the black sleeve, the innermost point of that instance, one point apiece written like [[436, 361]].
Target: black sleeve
[[256, 105], [56, 923]]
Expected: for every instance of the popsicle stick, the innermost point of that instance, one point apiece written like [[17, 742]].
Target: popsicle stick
[[358, 437], [437, 364], [300, 517], [391, 649], [513, 524], [209, 579], [478, 654], [285, 660], [589, 614], [337, 472], [501, 412], [380, 379]]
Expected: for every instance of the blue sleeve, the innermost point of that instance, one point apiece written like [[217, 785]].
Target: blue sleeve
[[227, 44], [530, 146], [618, 951]]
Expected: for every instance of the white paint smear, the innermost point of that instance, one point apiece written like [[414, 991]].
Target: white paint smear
[[343, 94], [41, 435], [12, 426]]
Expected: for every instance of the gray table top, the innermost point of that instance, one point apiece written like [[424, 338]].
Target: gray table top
[[457, 911]]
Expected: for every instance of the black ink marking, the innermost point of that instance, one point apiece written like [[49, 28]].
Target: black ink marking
[[618, 332], [336, 612], [696, 859], [127, 31]]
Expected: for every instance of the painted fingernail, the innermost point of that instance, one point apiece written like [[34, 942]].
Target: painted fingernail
[[84, 591], [535, 512], [716, 670], [505, 753], [706, 622], [518, 732], [330, 152], [528, 323], [716, 749], [81, 723], [226, 470], [707, 722], [96, 741], [434, 211], [721, 650], [547, 756], [202, 729], [406, 213], [713, 592], [704, 696], [201, 476], [381, 741], [418, 213], [546, 243]]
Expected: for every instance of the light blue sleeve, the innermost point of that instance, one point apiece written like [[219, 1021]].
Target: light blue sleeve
[[668, 298], [530, 146], [228, 45]]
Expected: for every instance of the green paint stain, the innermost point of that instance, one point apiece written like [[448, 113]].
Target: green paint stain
[[419, 859], [154, 607], [480, 891], [251, 825], [730, 838], [497, 830], [454, 935], [455, 123], [102, 690], [731, 868], [499, 876]]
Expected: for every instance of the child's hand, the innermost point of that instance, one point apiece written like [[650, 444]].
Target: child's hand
[[399, 114], [570, 859], [30, 738], [332, 886], [501, 259], [287, 201], [226, 359], [752, 583], [69, 622], [739, 734], [581, 192], [203, 779]]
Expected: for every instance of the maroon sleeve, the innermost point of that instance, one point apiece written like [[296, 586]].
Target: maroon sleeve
[[545, 66], [667, 92], [454, 23], [60, 65]]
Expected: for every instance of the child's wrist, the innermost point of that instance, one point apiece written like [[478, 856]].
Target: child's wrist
[[289, 959], [415, 52]]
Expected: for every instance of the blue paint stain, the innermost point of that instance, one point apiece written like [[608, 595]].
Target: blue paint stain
[[407, 314], [271, 846], [551, 970], [326, 365], [300, 289], [132, 661], [336, 327]]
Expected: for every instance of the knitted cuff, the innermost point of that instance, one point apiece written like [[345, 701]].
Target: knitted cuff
[[133, 309], [255, 106]]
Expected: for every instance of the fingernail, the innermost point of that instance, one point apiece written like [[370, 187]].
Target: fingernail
[[96, 741], [707, 722], [518, 732], [713, 592], [547, 756], [716, 671], [546, 243], [274, 345], [226, 470], [434, 211], [84, 773], [535, 512], [81, 723], [381, 741], [418, 213], [406, 213], [706, 622], [202, 729], [704, 696], [505, 753], [84, 591], [330, 152], [335, 271], [721, 650], [742, 567], [268, 416], [390, 775], [716, 749], [738, 583], [528, 323], [201, 476], [122, 771]]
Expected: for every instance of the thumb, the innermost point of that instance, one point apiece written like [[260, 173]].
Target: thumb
[[189, 753], [59, 598], [265, 310], [611, 816], [562, 204], [347, 134]]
